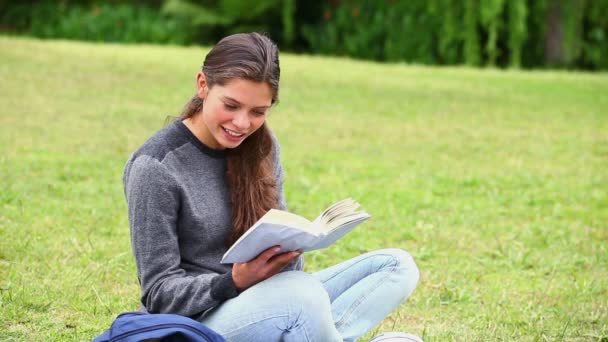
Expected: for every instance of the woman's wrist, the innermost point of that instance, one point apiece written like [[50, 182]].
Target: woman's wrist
[[223, 287]]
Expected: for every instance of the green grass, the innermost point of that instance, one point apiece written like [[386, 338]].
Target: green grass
[[496, 182]]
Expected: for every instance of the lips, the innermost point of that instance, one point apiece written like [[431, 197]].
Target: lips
[[232, 135]]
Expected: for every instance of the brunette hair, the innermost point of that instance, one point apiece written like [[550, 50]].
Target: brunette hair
[[249, 167]]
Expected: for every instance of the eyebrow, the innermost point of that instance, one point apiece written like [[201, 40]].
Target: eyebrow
[[237, 102]]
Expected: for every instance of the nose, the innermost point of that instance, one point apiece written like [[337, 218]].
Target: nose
[[241, 121]]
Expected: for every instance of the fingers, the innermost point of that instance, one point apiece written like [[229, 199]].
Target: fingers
[[287, 256], [266, 255], [281, 260], [264, 266]]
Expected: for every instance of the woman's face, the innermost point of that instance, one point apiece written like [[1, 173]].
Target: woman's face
[[231, 112]]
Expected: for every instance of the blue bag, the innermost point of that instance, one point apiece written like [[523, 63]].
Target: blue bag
[[140, 326]]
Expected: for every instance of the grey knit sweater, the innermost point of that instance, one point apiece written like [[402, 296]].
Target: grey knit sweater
[[180, 217]]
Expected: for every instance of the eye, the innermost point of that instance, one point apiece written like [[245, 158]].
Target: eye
[[230, 107], [259, 112]]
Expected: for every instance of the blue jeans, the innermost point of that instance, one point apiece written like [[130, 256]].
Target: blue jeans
[[340, 303]]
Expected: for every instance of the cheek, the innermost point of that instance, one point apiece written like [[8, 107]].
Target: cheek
[[217, 114], [258, 121], [223, 116]]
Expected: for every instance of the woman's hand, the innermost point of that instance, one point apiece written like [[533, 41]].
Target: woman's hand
[[264, 266]]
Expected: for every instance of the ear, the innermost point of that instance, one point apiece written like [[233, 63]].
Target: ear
[[201, 85]]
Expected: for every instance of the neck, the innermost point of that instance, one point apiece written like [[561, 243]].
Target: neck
[[196, 125]]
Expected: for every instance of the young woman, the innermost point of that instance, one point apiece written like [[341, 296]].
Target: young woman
[[197, 185]]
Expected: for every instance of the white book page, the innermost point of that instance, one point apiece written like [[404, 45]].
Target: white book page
[[341, 207], [335, 224], [339, 232], [284, 217], [293, 232], [266, 235], [338, 214]]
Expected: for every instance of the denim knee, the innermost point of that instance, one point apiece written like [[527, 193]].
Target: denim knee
[[308, 305], [405, 269], [306, 292]]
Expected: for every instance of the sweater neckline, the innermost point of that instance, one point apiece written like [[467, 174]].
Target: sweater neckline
[[211, 152]]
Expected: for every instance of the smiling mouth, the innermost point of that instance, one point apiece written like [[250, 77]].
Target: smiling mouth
[[233, 133]]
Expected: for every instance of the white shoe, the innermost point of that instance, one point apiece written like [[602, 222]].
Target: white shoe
[[396, 337]]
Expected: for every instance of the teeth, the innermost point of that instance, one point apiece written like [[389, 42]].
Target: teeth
[[234, 134]]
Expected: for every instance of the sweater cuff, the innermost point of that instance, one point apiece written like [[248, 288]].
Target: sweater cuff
[[222, 287]]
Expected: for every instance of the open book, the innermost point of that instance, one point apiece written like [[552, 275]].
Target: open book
[[295, 233]]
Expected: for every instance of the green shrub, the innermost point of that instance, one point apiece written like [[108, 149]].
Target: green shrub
[[474, 32], [119, 22], [502, 33]]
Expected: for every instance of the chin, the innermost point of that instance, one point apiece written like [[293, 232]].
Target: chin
[[230, 146], [224, 143]]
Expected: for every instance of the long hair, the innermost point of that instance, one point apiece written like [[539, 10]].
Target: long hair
[[249, 167]]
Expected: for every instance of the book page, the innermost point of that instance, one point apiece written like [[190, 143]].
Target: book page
[[339, 232], [283, 218], [264, 235], [293, 232], [286, 218], [338, 214], [337, 208], [345, 219]]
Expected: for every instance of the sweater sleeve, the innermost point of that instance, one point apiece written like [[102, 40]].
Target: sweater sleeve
[[298, 263], [153, 199]]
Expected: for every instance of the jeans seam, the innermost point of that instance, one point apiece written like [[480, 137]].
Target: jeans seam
[[303, 326], [356, 304], [299, 319]]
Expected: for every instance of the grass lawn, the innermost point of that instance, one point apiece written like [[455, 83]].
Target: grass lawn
[[496, 182]]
